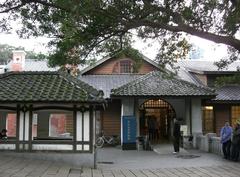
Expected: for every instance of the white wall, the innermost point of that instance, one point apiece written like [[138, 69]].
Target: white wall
[[196, 115], [127, 109]]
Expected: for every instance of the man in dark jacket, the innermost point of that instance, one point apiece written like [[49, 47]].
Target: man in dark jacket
[[176, 135], [236, 142]]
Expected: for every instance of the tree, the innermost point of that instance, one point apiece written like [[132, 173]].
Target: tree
[[227, 80], [6, 53], [86, 27]]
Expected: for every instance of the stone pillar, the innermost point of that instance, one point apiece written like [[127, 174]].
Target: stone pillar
[[196, 115], [83, 130], [24, 130], [188, 115]]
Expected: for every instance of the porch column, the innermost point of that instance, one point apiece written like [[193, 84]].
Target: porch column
[[83, 125], [128, 124], [24, 130], [188, 115], [196, 115], [196, 119]]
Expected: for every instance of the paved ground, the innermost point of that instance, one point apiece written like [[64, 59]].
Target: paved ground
[[117, 163], [115, 158]]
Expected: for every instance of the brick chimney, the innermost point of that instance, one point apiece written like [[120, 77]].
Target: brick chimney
[[18, 60]]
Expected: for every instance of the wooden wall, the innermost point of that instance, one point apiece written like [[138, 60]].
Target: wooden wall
[[222, 114], [109, 67], [202, 78], [111, 118]]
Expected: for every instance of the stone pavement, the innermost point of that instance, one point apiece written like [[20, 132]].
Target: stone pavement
[[16, 167], [113, 162]]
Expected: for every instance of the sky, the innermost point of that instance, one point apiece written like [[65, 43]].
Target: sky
[[212, 51]]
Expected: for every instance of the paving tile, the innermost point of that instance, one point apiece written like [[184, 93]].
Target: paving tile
[[17, 167]]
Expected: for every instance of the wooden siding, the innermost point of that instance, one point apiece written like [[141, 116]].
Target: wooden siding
[[111, 118], [222, 114], [109, 67], [202, 78]]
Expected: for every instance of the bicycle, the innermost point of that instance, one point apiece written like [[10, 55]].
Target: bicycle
[[111, 140]]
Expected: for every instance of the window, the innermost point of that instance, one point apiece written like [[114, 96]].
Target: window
[[52, 125], [208, 119], [11, 124], [235, 112], [8, 120], [125, 66]]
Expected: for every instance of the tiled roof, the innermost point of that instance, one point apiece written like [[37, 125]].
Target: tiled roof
[[207, 66], [228, 93], [157, 83], [38, 65], [108, 82], [45, 87]]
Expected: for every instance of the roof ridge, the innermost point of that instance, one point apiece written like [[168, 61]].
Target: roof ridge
[[136, 81], [196, 85]]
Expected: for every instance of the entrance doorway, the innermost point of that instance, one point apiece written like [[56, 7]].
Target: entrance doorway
[[156, 120]]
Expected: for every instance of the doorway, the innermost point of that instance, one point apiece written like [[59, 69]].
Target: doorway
[[156, 120]]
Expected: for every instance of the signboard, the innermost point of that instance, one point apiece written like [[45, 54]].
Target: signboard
[[184, 130], [129, 129]]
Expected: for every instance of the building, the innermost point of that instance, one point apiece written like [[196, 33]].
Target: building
[[49, 112], [146, 101], [226, 105], [143, 100]]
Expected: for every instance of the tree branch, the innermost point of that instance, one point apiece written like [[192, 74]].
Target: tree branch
[[228, 40], [44, 3], [13, 8]]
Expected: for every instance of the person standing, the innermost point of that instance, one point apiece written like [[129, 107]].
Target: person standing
[[226, 134], [236, 142], [176, 135]]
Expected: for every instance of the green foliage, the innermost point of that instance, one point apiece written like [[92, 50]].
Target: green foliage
[[6, 53], [83, 28], [227, 80]]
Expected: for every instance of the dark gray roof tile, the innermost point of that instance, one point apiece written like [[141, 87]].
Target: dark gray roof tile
[[228, 93], [45, 87], [157, 83]]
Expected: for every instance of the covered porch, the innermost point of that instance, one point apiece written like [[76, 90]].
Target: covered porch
[[150, 103], [48, 112]]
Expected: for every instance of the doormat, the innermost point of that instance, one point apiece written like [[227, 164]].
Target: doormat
[[187, 156], [105, 162]]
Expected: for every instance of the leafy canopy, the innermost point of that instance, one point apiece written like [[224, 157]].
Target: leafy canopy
[[6, 53], [227, 80], [83, 28]]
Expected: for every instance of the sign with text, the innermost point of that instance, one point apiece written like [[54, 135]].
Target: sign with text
[[129, 129]]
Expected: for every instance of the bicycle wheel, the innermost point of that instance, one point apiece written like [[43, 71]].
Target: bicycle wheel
[[99, 142]]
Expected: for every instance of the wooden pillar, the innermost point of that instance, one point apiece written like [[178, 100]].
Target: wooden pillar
[[30, 128], [92, 129], [74, 128]]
